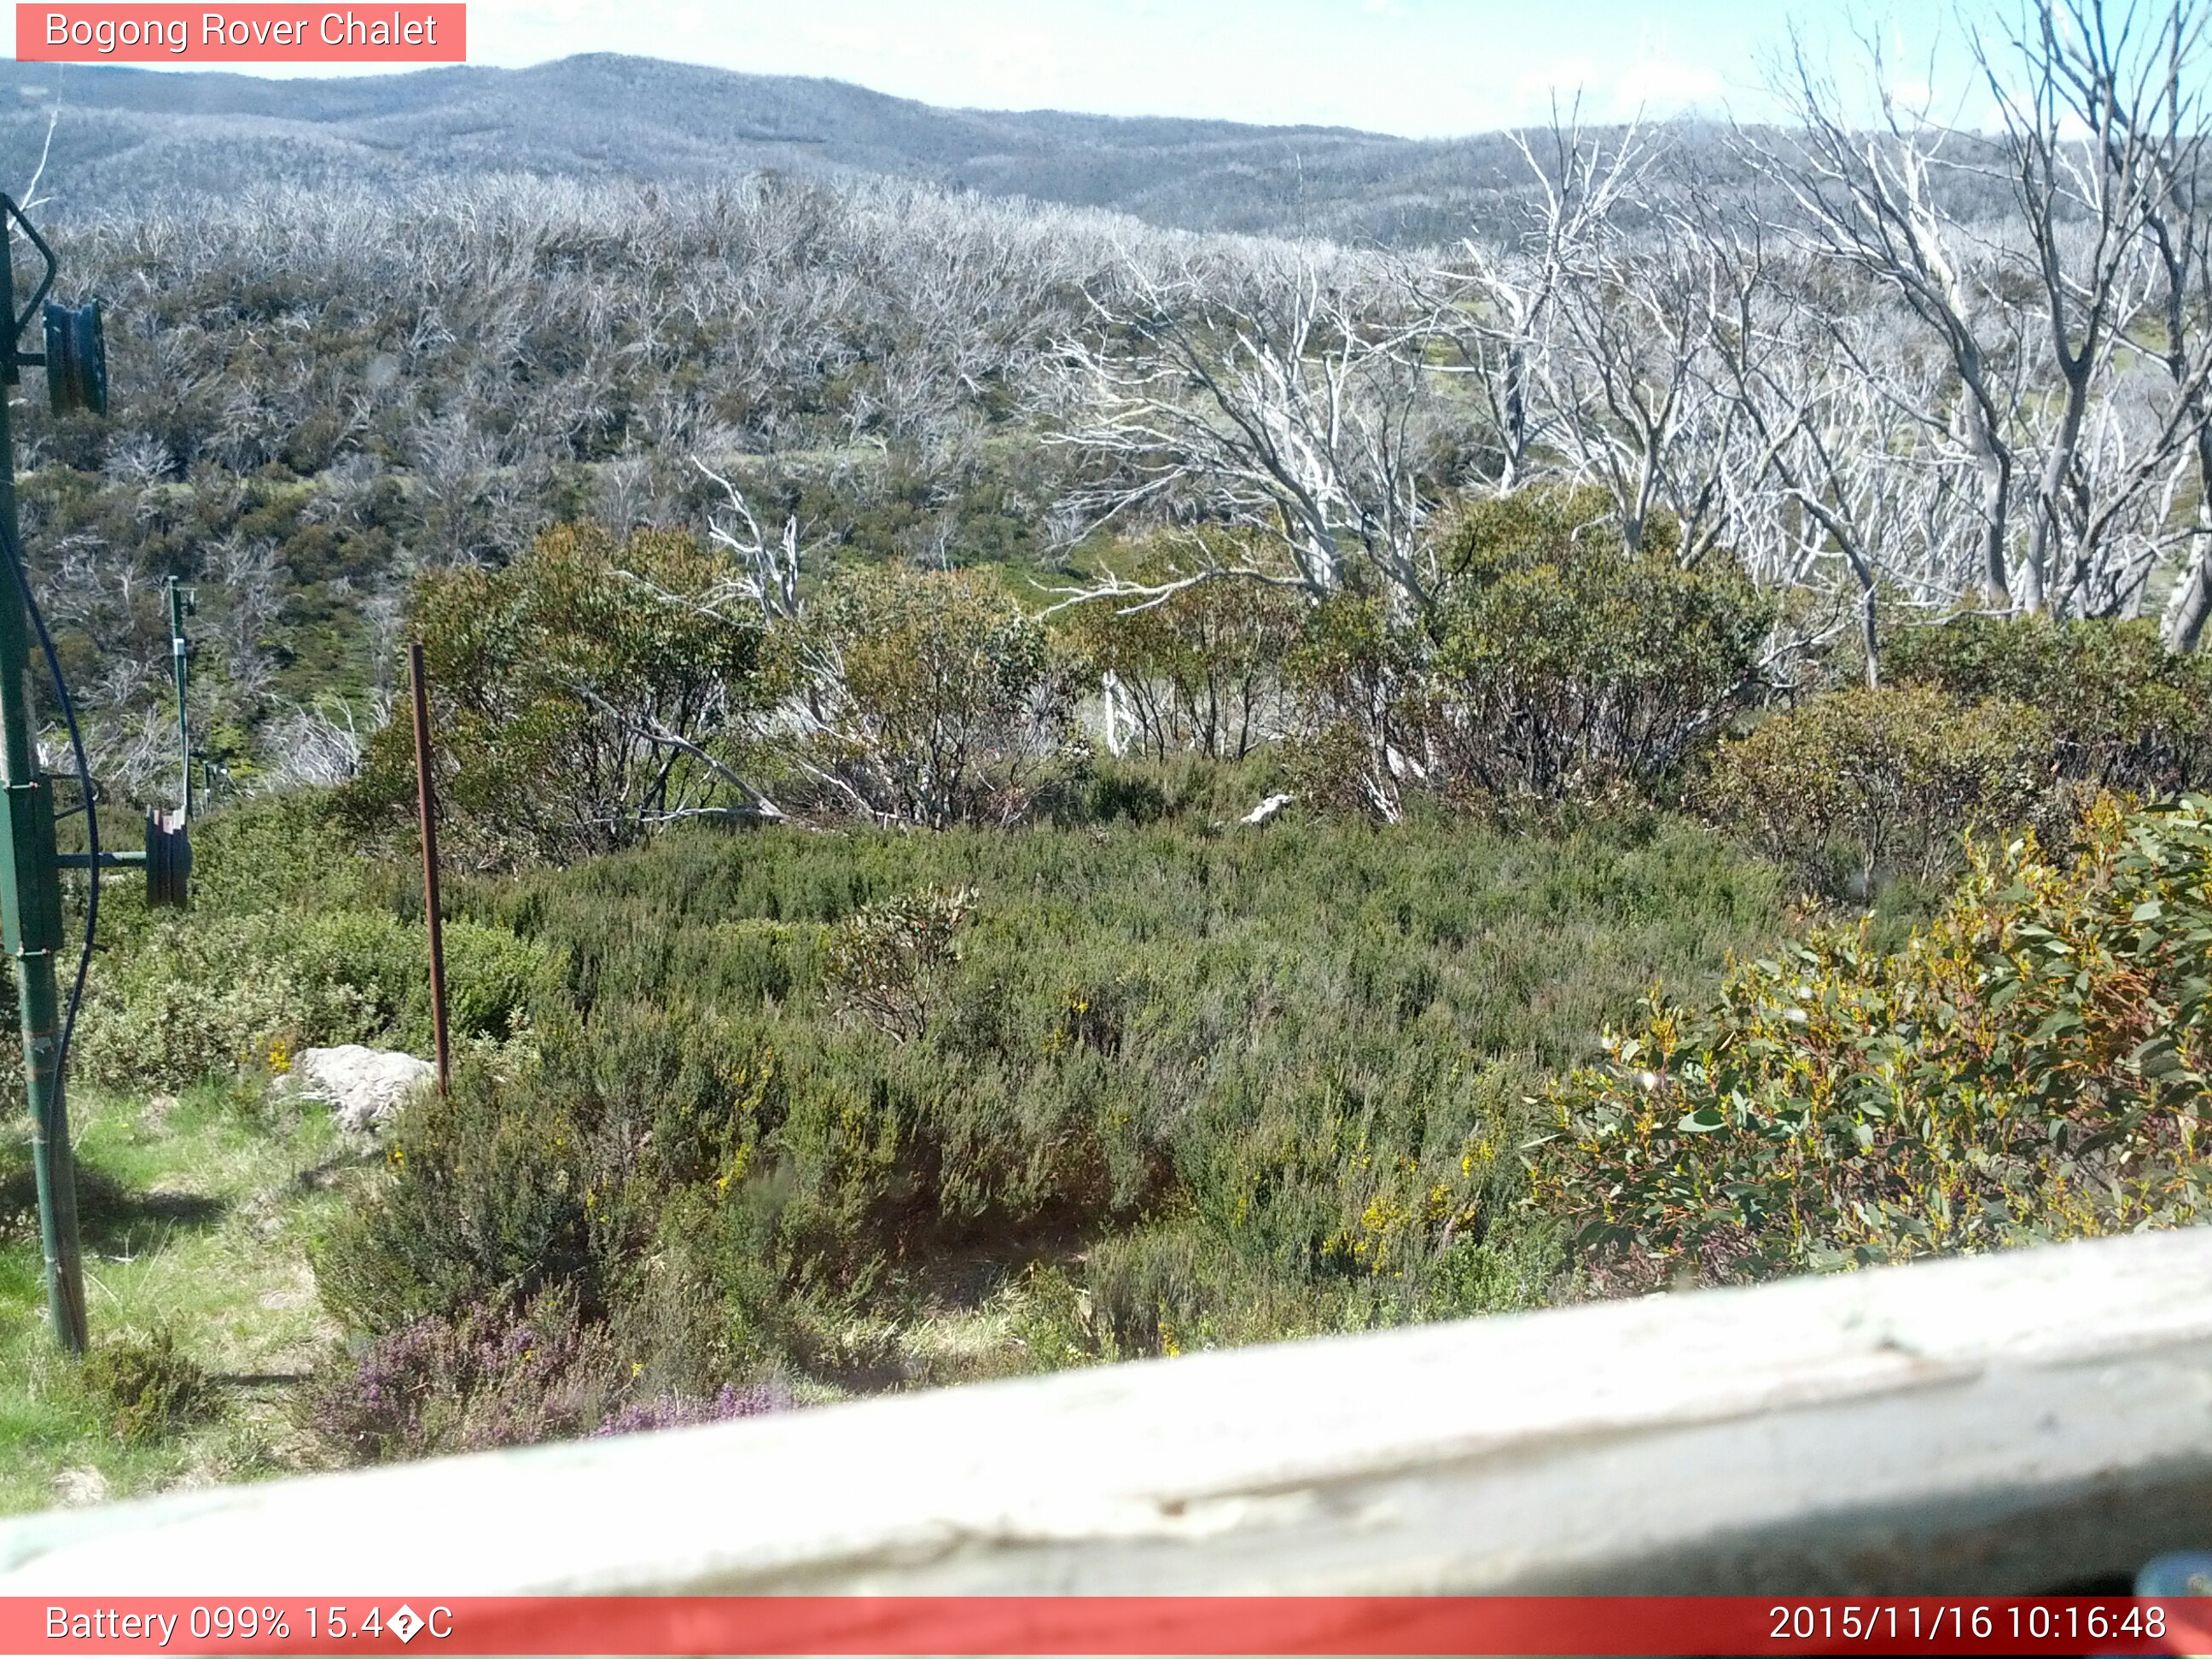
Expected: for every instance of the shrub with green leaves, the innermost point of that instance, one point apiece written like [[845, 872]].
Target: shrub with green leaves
[[1200, 670], [1880, 782], [1566, 663], [293, 939], [2036, 1065], [485, 1209], [1260, 1083], [198, 996], [1354, 673], [932, 699], [582, 695], [889, 961], [2126, 712]]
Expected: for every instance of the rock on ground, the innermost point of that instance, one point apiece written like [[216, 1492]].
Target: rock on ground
[[365, 1086], [76, 1487]]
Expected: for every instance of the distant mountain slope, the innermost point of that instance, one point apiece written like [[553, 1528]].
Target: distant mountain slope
[[127, 134]]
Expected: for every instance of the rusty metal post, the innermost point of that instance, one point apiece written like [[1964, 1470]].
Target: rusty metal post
[[426, 800]]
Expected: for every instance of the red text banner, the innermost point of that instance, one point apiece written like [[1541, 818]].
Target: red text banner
[[126, 34], [1224, 1624]]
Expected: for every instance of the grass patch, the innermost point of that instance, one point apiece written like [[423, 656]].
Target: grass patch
[[197, 1214]]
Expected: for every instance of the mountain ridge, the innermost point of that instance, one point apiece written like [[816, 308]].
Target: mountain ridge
[[127, 135]]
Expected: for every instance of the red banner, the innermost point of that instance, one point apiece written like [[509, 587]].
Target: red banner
[[127, 34], [1203, 1625]]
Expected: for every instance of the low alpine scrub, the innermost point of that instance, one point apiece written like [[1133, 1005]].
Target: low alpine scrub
[[1215, 1085], [2036, 1065], [1856, 785]]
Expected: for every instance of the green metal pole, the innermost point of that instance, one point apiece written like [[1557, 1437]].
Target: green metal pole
[[31, 896]]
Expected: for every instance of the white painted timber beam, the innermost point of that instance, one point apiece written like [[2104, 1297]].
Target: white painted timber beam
[[2008, 1423]]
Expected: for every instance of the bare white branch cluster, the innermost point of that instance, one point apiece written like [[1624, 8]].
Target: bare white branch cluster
[[1937, 367]]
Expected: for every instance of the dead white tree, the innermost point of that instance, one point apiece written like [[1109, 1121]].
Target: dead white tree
[[1869, 203], [2077, 89], [319, 745], [1643, 406], [2165, 134], [1287, 397], [1507, 292], [767, 575], [2070, 320]]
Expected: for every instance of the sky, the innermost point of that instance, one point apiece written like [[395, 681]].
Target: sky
[[1419, 68]]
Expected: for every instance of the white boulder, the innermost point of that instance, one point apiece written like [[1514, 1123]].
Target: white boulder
[[364, 1086]]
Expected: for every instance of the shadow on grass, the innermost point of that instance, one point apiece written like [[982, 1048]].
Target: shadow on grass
[[113, 1219]]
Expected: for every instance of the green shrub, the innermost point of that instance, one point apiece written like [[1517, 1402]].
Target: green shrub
[[1052, 1326], [1881, 782], [290, 851], [144, 1389], [1353, 671], [170, 1030], [1565, 664], [933, 698], [1200, 670], [888, 960], [2126, 712], [199, 995], [484, 1210], [581, 696], [2037, 1064]]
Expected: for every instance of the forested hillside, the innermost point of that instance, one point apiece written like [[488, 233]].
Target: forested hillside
[[130, 138]]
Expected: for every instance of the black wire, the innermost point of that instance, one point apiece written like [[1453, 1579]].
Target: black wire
[[15, 552]]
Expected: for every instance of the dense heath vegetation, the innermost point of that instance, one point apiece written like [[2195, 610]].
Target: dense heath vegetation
[[1057, 1060], [1021, 790]]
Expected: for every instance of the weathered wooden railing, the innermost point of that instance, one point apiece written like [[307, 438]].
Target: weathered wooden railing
[[2022, 1423]]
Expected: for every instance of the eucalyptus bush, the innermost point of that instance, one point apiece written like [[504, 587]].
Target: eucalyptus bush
[[930, 698], [582, 695], [2123, 710], [1567, 662], [1200, 670], [1875, 783], [889, 961], [1552, 662], [2036, 1065]]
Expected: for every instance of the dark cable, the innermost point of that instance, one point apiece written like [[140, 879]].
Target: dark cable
[[15, 552]]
